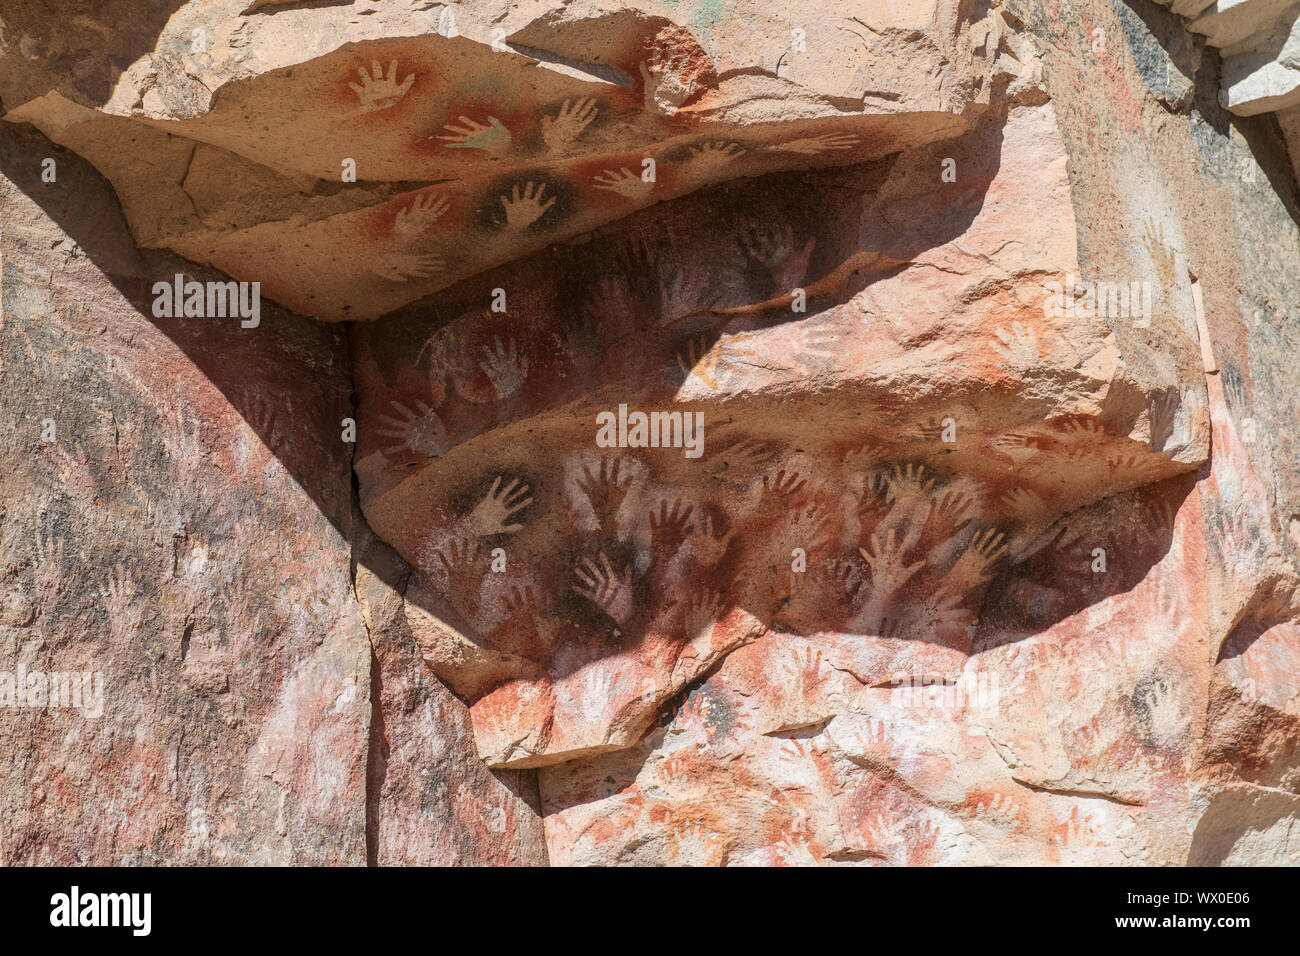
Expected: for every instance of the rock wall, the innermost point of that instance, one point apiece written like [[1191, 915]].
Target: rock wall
[[188, 538], [672, 433]]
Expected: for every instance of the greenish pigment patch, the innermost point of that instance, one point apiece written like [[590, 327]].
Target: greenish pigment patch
[[707, 13]]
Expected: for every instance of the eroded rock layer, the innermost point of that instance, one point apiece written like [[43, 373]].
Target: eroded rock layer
[[863, 434]]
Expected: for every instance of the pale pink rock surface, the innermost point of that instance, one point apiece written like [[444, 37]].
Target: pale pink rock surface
[[961, 572]]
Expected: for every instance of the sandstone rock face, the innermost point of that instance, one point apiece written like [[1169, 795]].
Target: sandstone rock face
[[229, 148], [863, 434], [187, 537], [1259, 41]]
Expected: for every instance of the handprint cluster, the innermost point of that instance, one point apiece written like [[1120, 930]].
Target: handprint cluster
[[458, 553], [923, 562], [470, 380]]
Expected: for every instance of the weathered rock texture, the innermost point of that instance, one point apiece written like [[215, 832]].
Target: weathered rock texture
[[1259, 42], [984, 547]]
